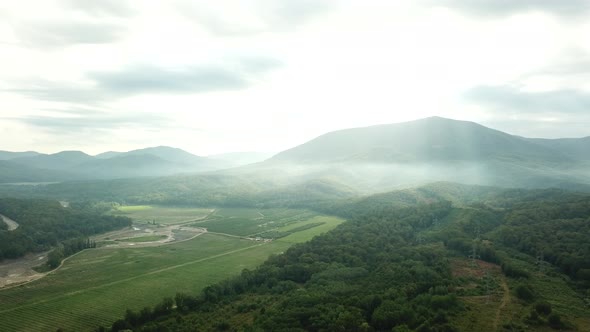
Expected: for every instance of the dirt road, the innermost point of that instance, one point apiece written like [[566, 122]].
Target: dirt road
[[505, 301]]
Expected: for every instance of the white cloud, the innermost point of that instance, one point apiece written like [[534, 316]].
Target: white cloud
[[342, 64]]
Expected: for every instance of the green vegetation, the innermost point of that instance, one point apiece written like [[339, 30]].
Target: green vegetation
[[442, 257], [147, 238], [44, 224], [88, 289], [408, 268], [166, 215], [249, 222]]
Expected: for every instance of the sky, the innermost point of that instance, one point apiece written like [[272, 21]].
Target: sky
[[266, 75]]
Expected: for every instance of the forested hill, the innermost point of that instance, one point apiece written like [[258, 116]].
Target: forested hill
[[504, 260], [43, 224], [429, 139]]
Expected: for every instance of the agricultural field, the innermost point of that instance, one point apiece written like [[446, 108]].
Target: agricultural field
[[166, 215], [96, 286], [251, 222]]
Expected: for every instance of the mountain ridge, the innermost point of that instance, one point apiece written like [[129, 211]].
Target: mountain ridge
[[436, 139]]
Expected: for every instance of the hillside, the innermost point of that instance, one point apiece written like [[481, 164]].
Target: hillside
[[57, 161], [502, 259], [77, 165], [425, 140], [408, 154], [11, 172], [575, 148], [242, 158], [8, 155]]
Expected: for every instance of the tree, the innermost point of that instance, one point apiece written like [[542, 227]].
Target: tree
[[55, 256]]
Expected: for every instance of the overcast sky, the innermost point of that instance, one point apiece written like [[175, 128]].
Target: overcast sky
[[266, 75]]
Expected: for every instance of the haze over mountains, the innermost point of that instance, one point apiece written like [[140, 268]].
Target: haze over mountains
[[77, 165], [370, 159]]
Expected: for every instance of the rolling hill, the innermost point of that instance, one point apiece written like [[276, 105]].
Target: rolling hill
[[385, 157], [8, 155], [77, 165], [57, 161], [425, 140], [368, 160], [243, 158]]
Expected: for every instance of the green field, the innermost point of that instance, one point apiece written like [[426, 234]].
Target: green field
[[96, 286], [161, 214], [251, 222], [147, 238]]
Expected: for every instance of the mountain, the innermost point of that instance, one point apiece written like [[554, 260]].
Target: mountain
[[168, 153], [243, 158], [8, 155], [425, 140], [107, 155], [575, 148], [11, 172], [77, 165], [57, 161], [385, 157], [132, 165]]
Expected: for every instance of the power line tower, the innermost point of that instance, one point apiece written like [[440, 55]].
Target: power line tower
[[474, 254], [476, 241]]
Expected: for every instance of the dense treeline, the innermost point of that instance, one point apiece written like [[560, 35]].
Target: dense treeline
[[366, 274], [550, 229], [387, 268], [44, 224]]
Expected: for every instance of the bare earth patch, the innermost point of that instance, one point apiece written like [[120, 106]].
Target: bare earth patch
[[12, 225], [17, 271], [170, 234]]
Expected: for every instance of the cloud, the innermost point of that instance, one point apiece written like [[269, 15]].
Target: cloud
[[73, 92], [571, 62], [148, 79], [59, 34], [506, 99], [118, 8], [69, 121], [569, 8], [255, 16], [135, 80]]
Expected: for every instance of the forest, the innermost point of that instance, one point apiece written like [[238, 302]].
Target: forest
[[389, 267], [46, 224]]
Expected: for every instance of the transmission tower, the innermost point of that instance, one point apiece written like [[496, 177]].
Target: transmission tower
[[474, 254]]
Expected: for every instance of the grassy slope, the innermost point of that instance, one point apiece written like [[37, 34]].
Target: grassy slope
[[162, 214], [90, 288]]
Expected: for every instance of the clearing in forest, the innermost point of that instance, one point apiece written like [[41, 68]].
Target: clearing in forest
[[87, 291]]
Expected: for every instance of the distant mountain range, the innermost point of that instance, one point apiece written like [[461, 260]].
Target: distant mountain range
[[432, 139], [77, 165], [439, 149], [369, 159]]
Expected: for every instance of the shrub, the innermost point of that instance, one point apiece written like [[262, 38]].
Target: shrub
[[525, 293]]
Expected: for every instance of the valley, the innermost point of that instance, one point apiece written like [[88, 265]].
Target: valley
[[464, 229], [86, 291]]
